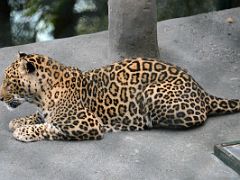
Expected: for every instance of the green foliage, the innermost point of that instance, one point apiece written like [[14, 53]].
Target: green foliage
[[5, 10], [65, 20], [95, 19], [90, 25]]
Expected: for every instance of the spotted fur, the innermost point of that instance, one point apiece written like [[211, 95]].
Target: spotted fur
[[130, 95]]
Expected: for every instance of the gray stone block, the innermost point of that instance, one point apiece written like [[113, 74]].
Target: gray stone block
[[132, 28], [202, 44]]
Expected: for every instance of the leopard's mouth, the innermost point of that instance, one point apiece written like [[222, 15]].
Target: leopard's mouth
[[8, 98], [13, 103]]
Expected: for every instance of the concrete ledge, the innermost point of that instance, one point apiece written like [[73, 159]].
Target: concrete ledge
[[207, 45], [228, 153]]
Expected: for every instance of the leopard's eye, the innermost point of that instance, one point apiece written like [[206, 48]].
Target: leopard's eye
[[8, 88], [7, 85], [4, 83]]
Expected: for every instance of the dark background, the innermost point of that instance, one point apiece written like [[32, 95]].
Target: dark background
[[26, 21]]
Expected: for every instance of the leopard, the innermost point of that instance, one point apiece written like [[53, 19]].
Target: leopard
[[132, 94]]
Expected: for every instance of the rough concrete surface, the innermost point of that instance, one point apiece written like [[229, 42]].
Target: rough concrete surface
[[206, 45]]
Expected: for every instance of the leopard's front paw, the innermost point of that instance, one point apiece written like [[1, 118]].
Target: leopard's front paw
[[22, 121], [27, 134], [14, 124]]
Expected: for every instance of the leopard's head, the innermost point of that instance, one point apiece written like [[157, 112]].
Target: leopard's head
[[23, 80]]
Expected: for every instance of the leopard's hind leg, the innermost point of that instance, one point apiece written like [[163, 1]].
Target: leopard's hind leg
[[175, 105]]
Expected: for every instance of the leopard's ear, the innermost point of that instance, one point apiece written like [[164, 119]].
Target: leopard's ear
[[26, 67], [21, 54], [30, 67]]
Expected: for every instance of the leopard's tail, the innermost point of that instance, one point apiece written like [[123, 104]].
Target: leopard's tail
[[218, 106]]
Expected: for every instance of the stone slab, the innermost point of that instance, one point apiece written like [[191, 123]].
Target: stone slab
[[206, 45]]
